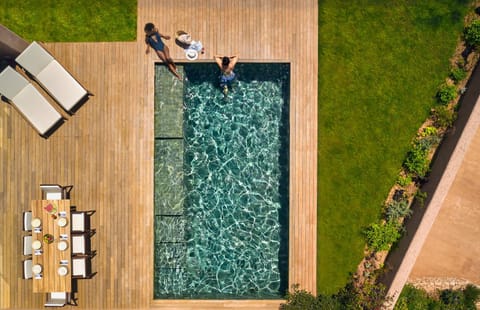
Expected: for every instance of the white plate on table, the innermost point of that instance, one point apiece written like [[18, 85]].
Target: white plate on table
[[36, 222], [62, 222], [37, 269], [62, 245], [36, 245], [62, 271]]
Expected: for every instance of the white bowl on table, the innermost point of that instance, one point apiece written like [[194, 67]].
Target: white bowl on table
[[37, 269], [36, 222], [62, 222], [62, 271], [62, 245], [36, 245]]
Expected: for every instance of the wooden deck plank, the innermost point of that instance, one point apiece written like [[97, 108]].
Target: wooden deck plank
[[106, 148]]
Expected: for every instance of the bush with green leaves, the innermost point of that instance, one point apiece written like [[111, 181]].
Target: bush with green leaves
[[417, 161], [429, 131], [472, 294], [381, 236], [413, 298], [444, 117], [421, 196], [472, 33], [350, 297], [453, 298], [428, 142], [300, 299], [404, 180], [396, 210], [446, 93], [458, 75]]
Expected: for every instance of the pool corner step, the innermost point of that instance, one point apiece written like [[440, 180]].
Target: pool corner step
[[168, 103]]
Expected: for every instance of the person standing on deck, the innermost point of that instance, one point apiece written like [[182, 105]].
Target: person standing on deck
[[153, 39]]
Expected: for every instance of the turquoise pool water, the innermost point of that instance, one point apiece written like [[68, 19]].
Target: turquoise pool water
[[221, 183]]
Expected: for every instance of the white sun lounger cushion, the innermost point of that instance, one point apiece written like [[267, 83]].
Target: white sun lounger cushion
[[51, 75], [28, 100], [34, 59], [61, 85]]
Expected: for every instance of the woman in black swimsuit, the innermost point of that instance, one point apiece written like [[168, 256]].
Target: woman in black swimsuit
[[153, 39]]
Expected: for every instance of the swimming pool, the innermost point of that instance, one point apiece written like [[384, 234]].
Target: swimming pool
[[221, 183]]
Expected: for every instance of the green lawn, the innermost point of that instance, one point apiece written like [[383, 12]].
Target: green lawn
[[380, 63], [71, 20]]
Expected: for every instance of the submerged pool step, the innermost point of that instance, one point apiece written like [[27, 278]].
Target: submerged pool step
[[169, 229], [168, 100], [169, 192]]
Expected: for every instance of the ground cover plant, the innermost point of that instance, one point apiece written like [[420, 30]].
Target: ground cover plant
[[380, 64], [71, 20], [413, 298]]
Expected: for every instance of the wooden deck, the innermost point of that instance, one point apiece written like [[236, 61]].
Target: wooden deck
[[106, 149]]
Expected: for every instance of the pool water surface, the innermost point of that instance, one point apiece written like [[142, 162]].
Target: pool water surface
[[221, 183]]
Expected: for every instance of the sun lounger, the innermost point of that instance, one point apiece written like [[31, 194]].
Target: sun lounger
[[28, 100], [52, 76]]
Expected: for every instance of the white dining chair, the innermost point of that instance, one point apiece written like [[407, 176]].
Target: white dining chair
[[27, 221], [79, 244], [27, 269], [80, 222], [52, 191], [57, 299], [81, 267], [27, 245]]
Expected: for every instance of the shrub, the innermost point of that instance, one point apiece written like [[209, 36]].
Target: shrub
[[370, 296], [446, 93], [417, 161], [444, 117], [412, 298], [453, 298], [404, 180], [429, 131], [472, 295], [421, 197], [458, 74], [299, 299], [428, 142], [397, 209], [472, 33], [380, 237]]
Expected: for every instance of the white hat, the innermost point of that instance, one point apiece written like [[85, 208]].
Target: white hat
[[191, 54]]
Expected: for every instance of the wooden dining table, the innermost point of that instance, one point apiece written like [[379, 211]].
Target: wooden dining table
[[52, 260]]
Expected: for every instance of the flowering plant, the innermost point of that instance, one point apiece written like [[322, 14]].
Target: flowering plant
[[47, 238], [50, 208]]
